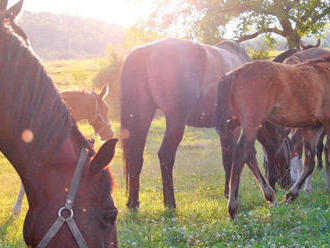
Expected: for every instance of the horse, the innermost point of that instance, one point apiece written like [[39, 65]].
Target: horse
[[90, 106], [294, 96], [296, 139], [67, 186], [281, 57], [281, 158], [84, 106], [179, 77]]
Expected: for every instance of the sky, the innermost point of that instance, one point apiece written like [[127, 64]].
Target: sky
[[121, 12]]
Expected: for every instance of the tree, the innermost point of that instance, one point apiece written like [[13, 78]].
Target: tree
[[136, 36], [247, 19]]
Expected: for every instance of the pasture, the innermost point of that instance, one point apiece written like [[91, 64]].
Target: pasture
[[201, 218]]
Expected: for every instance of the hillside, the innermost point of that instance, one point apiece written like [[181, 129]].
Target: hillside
[[59, 36]]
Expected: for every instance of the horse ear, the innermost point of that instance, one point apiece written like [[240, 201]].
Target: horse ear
[[13, 12], [3, 5], [103, 156], [104, 92], [318, 43]]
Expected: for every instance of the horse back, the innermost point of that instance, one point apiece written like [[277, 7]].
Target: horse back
[[309, 54], [218, 61], [177, 76]]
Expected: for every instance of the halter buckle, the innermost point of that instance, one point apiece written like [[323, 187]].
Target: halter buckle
[[62, 209]]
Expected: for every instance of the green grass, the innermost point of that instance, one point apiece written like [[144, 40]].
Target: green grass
[[201, 218]]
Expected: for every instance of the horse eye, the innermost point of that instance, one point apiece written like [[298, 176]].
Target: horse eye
[[109, 217]]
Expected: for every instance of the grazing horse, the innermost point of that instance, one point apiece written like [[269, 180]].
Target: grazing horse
[[179, 77], [281, 158], [294, 96], [83, 106], [68, 189], [296, 140], [91, 107]]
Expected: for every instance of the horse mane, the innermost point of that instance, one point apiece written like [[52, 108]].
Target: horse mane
[[31, 99]]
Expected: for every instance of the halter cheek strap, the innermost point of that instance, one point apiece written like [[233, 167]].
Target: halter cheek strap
[[61, 219], [98, 115]]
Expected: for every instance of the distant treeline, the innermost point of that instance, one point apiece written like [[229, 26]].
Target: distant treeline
[[59, 36]]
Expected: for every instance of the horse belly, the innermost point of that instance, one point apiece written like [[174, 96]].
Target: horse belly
[[202, 113], [294, 117]]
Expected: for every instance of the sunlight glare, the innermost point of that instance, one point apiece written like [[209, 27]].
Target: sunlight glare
[[120, 12]]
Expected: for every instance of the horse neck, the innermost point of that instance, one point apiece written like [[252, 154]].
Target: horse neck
[[82, 105], [34, 171], [29, 101]]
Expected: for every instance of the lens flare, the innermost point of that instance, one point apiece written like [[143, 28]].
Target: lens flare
[[27, 136]]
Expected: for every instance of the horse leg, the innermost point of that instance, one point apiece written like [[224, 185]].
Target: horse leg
[[308, 184], [241, 153], [134, 147], [270, 169], [166, 154], [327, 163], [319, 150], [18, 204], [267, 190], [310, 138], [226, 141], [264, 136]]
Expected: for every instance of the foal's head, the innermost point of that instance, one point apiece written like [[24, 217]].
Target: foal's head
[[100, 120]]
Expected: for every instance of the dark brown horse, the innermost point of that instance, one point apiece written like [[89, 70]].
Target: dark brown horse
[[92, 107], [281, 57], [43, 143], [294, 96], [179, 77]]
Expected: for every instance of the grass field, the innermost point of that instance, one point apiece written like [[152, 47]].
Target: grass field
[[201, 218]]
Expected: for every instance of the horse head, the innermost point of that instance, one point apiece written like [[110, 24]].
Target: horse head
[[101, 121], [55, 162]]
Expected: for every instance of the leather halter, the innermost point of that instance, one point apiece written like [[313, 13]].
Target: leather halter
[[61, 219], [98, 115]]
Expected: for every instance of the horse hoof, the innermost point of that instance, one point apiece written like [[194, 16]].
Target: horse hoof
[[169, 205], [134, 206], [233, 212], [289, 197], [273, 204], [308, 190]]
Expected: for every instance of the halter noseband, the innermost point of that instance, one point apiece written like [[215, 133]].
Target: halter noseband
[[97, 115], [61, 219]]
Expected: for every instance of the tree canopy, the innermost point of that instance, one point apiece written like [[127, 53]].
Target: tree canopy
[[208, 20]]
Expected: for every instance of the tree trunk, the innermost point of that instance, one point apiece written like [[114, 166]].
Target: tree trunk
[[293, 40]]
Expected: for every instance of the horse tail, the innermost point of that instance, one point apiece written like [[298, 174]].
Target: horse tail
[[127, 91], [135, 101]]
